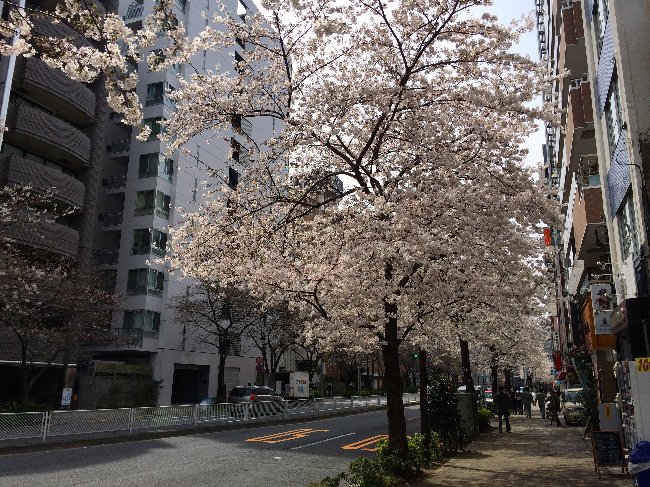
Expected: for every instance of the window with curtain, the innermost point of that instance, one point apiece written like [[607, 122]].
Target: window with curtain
[[141, 241], [155, 124], [613, 114], [145, 281], [142, 319], [144, 202], [627, 228], [163, 203]]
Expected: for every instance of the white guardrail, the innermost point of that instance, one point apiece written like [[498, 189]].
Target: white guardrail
[[17, 426]]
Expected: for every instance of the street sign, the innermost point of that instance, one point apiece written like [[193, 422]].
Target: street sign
[[66, 398]]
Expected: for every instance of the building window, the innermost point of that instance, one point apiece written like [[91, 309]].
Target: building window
[[141, 319], [155, 93], [613, 114], [144, 202], [145, 281], [153, 164], [181, 5], [600, 15], [155, 124], [163, 203], [233, 178], [147, 241], [627, 228], [195, 190]]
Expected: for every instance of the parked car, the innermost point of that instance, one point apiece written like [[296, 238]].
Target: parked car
[[253, 394], [572, 406]]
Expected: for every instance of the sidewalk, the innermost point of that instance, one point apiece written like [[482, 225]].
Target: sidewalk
[[533, 454]]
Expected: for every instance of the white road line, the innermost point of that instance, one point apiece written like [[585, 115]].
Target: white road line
[[321, 441]]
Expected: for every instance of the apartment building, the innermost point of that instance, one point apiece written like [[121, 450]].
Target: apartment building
[[144, 195], [54, 144], [127, 195], [597, 160]]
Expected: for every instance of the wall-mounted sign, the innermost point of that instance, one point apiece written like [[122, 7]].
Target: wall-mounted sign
[[643, 364], [603, 322], [602, 302]]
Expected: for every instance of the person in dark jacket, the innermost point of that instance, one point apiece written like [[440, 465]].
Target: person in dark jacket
[[502, 401]]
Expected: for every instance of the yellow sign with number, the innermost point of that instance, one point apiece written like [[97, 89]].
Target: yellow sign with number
[[643, 364]]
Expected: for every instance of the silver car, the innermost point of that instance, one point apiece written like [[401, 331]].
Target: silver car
[[253, 394]]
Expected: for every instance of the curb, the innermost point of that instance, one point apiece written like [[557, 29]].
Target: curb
[[67, 444]]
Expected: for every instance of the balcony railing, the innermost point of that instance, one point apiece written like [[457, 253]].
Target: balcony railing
[[114, 182], [134, 12], [163, 213], [118, 147], [111, 219], [106, 257]]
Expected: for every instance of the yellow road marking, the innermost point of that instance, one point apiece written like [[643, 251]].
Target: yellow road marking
[[286, 436], [359, 445]]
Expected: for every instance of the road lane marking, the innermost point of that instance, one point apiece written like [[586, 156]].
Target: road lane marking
[[322, 441], [361, 444], [286, 436]]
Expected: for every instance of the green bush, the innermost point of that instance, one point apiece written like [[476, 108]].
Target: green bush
[[443, 411], [329, 481], [365, 472], [485, 415], [29, 407]]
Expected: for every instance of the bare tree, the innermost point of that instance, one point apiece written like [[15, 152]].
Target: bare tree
[[218, 316], [273, 334]]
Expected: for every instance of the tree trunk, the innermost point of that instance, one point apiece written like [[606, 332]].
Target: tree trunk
[[393, 383], [469, 380], [221, 383], [494, 370], [425, 424], [24, 372], [508, 378]]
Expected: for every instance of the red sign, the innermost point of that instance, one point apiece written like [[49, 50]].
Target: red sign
[[258, 361], [547, 236]]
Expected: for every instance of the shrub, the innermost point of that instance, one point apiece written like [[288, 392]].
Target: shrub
[[329, 481], [29, 407], [485, 415], [365, 472]]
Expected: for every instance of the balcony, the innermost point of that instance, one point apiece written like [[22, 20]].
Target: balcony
[[24, 172], [134, 14], [47, 135], [119, 148], [56, 90], [580, 137], [106, 257], [128, 338], [588, 215], [114, 183], [109, 220], [48, 236]]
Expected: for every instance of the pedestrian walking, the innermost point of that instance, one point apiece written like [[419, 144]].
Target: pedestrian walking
[[527, 401], [554, 407], [519, 406], [502, 401], [540, 397]]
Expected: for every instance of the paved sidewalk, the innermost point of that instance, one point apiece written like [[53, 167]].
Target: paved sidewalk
[[534, 454]]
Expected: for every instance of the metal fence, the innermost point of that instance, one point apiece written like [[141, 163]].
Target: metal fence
[[17, 426]]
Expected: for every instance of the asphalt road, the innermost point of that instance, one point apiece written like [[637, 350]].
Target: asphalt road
[[292, 454]]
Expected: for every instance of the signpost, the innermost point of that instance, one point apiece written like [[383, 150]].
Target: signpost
[[607, 450]]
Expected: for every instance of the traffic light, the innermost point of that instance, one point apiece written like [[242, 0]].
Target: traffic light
[[415, 355]]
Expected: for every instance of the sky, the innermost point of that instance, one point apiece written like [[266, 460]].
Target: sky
[[508, 10]]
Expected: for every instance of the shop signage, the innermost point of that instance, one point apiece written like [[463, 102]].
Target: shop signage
[[602, 303], [643, 364]]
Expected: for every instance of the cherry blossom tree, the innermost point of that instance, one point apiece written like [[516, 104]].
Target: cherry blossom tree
[[419, 107], [49, 305]]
